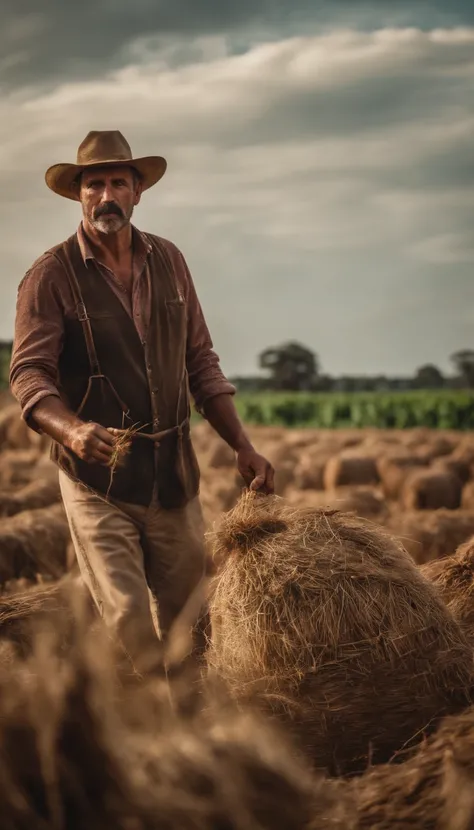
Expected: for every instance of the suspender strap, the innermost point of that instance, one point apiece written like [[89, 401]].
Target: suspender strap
[[81, 311]]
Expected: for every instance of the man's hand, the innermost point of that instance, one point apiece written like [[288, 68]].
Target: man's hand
[[256, 471], [91, 442]]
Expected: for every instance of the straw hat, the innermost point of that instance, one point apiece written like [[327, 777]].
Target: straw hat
[[100, 149]]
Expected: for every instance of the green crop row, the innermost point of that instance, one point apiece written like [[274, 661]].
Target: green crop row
[[446, 409]]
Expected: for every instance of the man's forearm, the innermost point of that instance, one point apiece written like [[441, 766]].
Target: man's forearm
[[222, 415], [53, 417]]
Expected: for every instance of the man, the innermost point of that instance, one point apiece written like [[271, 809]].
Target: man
[[110, 343]]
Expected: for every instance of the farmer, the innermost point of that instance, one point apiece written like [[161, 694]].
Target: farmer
[[109, 332]]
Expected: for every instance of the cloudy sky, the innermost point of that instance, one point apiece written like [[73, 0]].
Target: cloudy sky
[[320, 156]]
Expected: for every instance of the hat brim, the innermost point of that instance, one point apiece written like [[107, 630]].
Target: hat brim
[[60, 177]]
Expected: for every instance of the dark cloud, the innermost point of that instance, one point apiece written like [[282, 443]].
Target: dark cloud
[[65, 40]]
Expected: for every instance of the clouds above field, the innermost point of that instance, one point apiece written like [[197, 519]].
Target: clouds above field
[[55, 39], [325, 179]]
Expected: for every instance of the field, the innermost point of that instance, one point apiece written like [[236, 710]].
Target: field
[[444, 409], [380, 637]]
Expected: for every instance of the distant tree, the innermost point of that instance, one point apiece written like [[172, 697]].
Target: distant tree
[[291, 366], [428, 377], [325, 383], [463, 361]]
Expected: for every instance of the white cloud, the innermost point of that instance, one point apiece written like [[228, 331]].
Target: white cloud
[[339, 160], [445, 249]]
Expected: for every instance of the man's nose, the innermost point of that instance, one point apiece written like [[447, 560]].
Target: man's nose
[[107, 193]]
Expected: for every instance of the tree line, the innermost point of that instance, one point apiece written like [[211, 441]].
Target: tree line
[[292, 366]]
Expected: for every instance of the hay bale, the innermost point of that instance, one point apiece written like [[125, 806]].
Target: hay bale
[[394, 470], [301, 439], [429, 535], [278, 452], [309, 473], [363, 501], [436, 447], [17, 466], [221, 455], [433, 789], [455, 466], [349, 470], [284, 477], [15, 434], [39, 493], [454, 579], [325, 622], [431, 490], [468, 496], [224, 491], [465, 451], [34, 542]]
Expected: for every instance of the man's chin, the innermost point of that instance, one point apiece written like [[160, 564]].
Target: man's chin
[[109, 225]]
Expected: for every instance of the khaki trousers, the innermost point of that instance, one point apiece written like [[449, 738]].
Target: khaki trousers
[[131, 556]]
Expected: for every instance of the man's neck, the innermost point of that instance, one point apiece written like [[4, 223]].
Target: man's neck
[[109, 246]]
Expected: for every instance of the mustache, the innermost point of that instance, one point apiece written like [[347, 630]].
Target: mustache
[[108, 207]]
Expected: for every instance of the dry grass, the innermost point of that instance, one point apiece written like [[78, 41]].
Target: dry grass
[[23, 613], [34, 542], [122, 444], [81, 751], [325, 621], [433, 789], [454, 578], [36, 494]]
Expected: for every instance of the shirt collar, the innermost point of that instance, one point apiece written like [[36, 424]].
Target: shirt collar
[[141, 244]]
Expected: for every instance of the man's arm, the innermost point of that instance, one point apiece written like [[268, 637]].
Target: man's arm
[[38, 339], [256, 471], [213, 394]]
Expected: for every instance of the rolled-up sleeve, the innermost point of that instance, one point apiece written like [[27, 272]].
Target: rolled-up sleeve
[[206, 378], [38, 337]]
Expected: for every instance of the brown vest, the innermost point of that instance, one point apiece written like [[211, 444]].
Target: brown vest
[[107, 375]]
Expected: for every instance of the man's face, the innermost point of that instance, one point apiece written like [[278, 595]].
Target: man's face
[[108, 196]]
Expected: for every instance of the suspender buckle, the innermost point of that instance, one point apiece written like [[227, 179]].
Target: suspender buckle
[[82, 313]]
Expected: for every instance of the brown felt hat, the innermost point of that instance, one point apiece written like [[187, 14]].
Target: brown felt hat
[[103, 149]]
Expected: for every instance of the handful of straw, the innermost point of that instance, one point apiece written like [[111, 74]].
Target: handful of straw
[[122, 444]]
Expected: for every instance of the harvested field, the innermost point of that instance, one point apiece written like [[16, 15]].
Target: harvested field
[[79, 751], [405, 480], [347, 654]]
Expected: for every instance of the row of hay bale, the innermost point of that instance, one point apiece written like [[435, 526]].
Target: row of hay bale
[[421, 471], [345, 678], [417, 483], [35, 542]]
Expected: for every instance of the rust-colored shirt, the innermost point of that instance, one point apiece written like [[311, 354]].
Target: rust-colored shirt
[[44, 300]]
